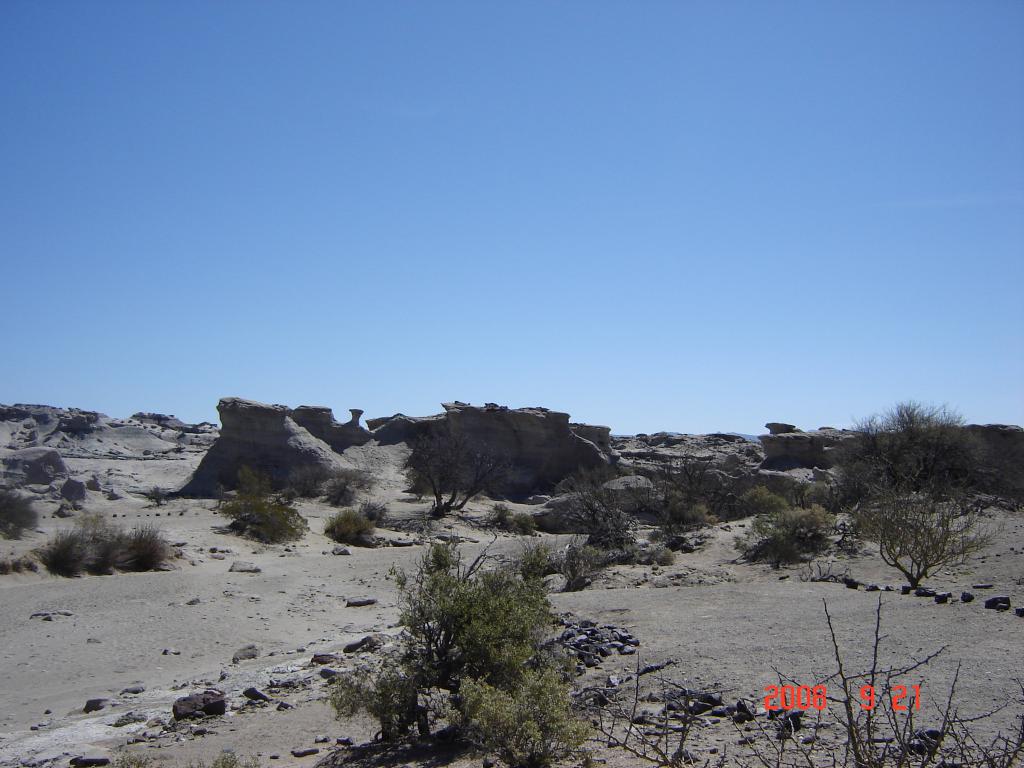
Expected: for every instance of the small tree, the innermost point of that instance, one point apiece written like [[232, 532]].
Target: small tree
[[599, 511], [911, 448], [917, 533], [453, 471]]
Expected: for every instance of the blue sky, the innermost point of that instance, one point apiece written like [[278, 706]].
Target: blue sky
[[687, 216]]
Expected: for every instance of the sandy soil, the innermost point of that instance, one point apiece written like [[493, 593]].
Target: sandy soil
[[729, 626]]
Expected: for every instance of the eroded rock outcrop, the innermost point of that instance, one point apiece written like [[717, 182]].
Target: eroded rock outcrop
[[319, 421], [33, 466], [262, 437], [801, 450]]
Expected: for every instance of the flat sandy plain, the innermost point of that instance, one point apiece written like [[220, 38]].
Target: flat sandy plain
[[729, 626]]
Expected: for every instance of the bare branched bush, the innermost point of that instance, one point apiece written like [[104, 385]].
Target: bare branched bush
[[917, 533], [599, 512]]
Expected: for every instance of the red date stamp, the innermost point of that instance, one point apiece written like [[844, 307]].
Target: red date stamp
[[901, 698]]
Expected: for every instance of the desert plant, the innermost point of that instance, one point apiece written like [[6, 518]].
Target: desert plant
[[462, 622], [349, 527], [307, 482], [678, 516], [16, 515], [599, 512], [390, 697], [255, 512], [535, 561], [917, 533], [18, 565], [343, 486], [760, 501], [454, 471], [374, 511], [786, 536], [523, 524], [65, 553], [500, 516], [531, 726], [578, 564], [145, 549], [157, 495], [911, 448]]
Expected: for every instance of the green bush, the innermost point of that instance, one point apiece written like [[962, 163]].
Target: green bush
[[677, 516], [760, 501], [342, 487], [501, 515], [462, 622], [349, 527], [390, 697], [535, 561], [787, 536], [16, 515], [531, 726], [256, 513], [523, 524]]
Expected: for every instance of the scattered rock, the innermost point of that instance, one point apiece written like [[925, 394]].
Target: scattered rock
[[324, 658], [89, 761], [329, 674], [305, 752], [209, 702], [255, 694], [193, 601], [133, 690], [94, 705], [245, 653], [170, 652], [73, 490], [340, 550], [367, 643], [966, 597], [129, 718], [360, 602], [241, 566], [998, 603]]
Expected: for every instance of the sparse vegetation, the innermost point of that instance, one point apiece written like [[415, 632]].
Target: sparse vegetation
[[521, 523], [157, 495], [18, 565], [760, 501], [787, 535], [17, 515], [578, 564], [465, 624], [531, 726], [343, 486], [599, 512], [453, 471], [308, 482], [95, 546], [910, 449], [350, 527], [917, 533], [374, 511], [257, 513]]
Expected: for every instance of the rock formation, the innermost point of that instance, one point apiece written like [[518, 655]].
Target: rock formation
[[795, 449], [319, 422], [263, 437], [32, 466]]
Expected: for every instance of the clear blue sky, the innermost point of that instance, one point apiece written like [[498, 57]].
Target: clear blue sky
[[686, 216]]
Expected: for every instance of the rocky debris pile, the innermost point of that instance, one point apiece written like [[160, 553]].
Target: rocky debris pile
[[210, 702], [590, 644]]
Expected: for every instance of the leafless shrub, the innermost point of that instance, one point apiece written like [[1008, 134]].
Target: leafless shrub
[[453, 472]]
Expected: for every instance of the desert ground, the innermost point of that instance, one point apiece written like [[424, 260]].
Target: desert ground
[[138, 641]]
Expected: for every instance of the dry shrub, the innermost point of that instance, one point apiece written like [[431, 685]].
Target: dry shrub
[[344, 485], [578, 564], [349, 527], [96, 546], [308, 482], [374, 511], [521, 523], [16, 515], [18, 565], [788, 535]]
